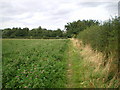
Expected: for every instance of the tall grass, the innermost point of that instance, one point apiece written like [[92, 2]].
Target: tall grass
[[104, 38]]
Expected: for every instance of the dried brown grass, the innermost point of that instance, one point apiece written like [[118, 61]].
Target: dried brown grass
[[97, 59], [89, 55]]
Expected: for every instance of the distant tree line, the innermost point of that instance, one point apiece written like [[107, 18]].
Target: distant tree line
[[72, 29], [36, 33]]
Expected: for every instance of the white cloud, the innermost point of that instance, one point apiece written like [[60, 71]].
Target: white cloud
[[98, 13], [53, 14]]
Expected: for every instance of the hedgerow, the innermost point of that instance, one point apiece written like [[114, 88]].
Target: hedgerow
[[104, 38]]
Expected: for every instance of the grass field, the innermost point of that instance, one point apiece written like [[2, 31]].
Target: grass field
[[34, 63]]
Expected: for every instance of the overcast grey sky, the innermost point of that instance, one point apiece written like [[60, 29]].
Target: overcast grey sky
[[53, 14]]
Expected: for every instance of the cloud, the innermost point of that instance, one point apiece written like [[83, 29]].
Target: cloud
[[53, 14], [112, 8], [91, 4]]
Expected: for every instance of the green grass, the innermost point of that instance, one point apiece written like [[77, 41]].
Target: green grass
[[84, 74], [77, 68], [34, 63], [82, 71]]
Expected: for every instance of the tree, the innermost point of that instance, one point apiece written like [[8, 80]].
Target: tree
[[75, 27]]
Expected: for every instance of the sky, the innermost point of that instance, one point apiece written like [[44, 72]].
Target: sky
[[53, 14]]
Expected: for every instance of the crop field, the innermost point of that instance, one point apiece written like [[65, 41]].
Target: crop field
[[34, 63]]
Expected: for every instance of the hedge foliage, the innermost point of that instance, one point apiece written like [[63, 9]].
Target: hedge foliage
[[103, 38]]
